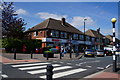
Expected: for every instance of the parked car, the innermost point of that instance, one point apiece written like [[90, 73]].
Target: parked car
[[118, 52], [100, 53], [108, 53], [89, 52]]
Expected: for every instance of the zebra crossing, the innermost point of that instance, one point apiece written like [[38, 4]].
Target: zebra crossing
[[39, 69], [3, 75]]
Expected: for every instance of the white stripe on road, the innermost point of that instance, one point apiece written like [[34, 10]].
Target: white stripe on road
[[38, 67], [66, 73], [68, 63], [61, 62], [100, 68], [33, 64], [78, 64], [89, 66], [4, 76], [54, 61], [108, 66], [44, 70]]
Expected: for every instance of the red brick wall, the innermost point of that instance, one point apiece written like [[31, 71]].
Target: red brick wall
[[43, 44]]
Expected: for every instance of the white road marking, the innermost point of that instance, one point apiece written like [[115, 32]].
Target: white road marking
[[108, 66], [100, 68], [37, 67], [68, 63], [77, 64], [61, 62], [89, 62], [89, 66], [33, 64], [66, 73], [54, 61], [4, 76], [44, 70]]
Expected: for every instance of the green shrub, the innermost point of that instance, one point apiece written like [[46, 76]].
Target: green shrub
[[32, 44], [10, 43]]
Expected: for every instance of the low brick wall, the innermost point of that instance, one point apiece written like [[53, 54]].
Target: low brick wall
[[2, 50]]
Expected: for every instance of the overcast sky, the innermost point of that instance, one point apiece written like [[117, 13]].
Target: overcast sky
[[98, 14]]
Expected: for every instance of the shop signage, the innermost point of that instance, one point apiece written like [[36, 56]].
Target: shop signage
[[56, 40], [65, 41]]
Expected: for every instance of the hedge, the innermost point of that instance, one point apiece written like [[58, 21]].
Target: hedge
[[10, 43]]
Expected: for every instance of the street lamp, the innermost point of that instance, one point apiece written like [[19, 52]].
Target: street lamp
[[113, 20], [98, 30], [84, 32]]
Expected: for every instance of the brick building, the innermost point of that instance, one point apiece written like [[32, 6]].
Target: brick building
[[54, 32], [57, 33], [97, 39]]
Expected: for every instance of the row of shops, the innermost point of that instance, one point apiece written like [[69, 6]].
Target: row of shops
[[75, 44], [54, 32]]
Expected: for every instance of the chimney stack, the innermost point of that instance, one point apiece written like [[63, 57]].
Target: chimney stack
[[63, 21]]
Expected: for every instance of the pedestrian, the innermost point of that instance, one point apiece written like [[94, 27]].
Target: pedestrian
[[61, 51]]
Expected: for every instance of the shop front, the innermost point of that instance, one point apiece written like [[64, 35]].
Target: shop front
[[76, 45]]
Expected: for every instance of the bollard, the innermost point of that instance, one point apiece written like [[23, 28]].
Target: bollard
[[49, 72], [47, 56], [70, 52], [14, 53], [31, 54]]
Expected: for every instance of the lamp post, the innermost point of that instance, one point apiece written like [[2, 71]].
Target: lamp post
[[84, 33], [113, 20], [98, 30]]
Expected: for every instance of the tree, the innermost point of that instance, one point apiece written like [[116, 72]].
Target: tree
[[12, 25]]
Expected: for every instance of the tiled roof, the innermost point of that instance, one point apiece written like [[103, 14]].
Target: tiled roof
[[93, 33], [56, 25], [111, 38]]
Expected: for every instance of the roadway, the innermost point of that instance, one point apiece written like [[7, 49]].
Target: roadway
[[72, 69]]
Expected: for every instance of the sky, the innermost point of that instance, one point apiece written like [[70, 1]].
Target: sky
[[98, 14]]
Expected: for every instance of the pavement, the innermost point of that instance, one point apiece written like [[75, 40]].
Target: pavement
[[106, 74], [20, 57]]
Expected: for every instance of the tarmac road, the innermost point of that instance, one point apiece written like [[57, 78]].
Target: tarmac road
[[70, 69]]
